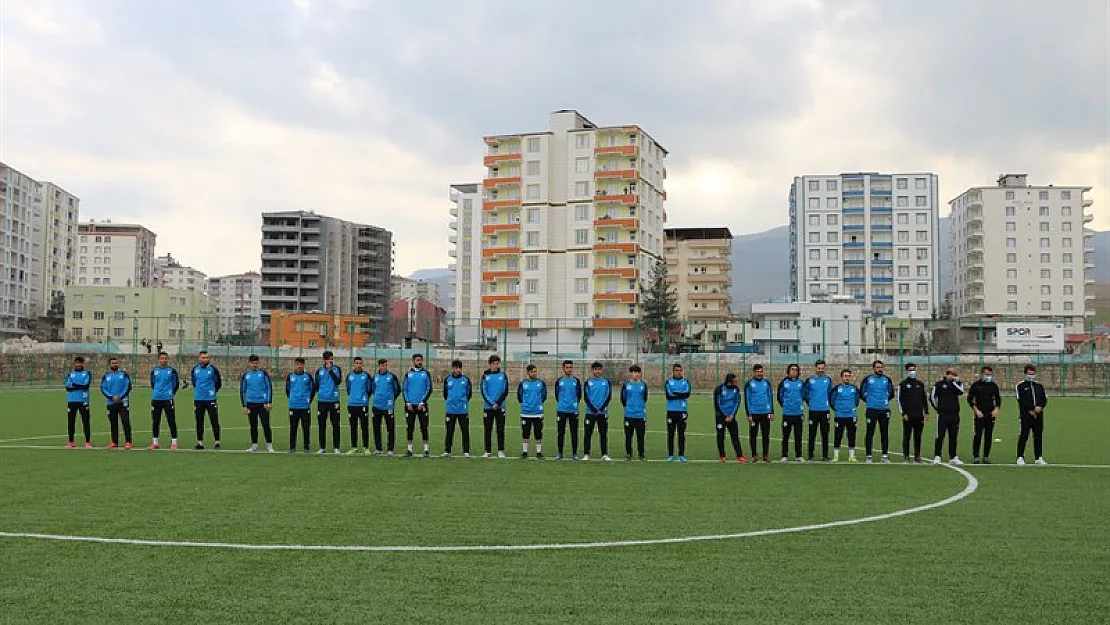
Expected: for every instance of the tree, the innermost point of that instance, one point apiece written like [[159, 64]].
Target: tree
[[659, 306]]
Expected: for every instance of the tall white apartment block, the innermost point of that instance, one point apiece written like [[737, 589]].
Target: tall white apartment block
[[464, 306], [114, 254], [1020, 251], [572, 220], [873, 237], [238, 301], [20, 199], [54, 245], [403, 288], [171, 274]]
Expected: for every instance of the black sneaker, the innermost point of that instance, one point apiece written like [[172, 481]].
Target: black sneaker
[[216, 446], [539, 456], [975, 461], [986, 460], [292, 450], [408, 453], [824, 458], [523, 455], [426, 453], [643, 459], [199, 447], [629, 458]]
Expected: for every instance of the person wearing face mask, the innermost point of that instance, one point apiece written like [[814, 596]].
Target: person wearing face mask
[[945, 398], [985, 400], [1032, 400], [914, 406]]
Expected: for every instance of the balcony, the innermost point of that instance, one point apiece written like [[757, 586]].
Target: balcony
[[491, 252], [453, 253], [1087, 202], [453, 239], [628, 199], [492, 160], [452, 266], [854, 261], [881, 298], [493, 205], [1088, 218], [853, 210], [496, 299], [620, 150], [881, 262], [613, 324], [453, 224], [853, 192], [709, 295], [882, 244], [855, 280], [501, 324], [882, 280], [880, 192], [854, 244], [623, 223], [490, 276], [708, 278], [617, 174], [882, 227], [626, 248], [881, 210], [854, 227], [630, 273], [1088, 233], [491, 183], [495, 228], [625, 297]]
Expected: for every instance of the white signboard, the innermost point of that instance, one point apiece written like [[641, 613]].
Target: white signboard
[[1037, 337]]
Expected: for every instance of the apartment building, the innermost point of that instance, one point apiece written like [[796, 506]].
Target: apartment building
[[572, 217], [122, 314], [464, 304], [1020, 250], [238, 300], [53, 246], [20, 199], [114, 254], [312, 262], [169, 273], [873, 237], [699, 268], [403, 288], [827, 329]]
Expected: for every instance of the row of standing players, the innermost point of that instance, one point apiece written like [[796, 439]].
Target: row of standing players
[[376, 395]]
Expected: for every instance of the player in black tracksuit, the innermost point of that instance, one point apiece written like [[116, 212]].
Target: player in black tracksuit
[[1032, 400], [985, 400], [913, 403], [945, 398]]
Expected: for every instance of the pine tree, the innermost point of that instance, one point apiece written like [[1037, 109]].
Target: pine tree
[[659, 303]]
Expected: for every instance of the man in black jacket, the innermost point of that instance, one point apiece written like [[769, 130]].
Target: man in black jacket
[[913, 403], [945, 398], [1031, 400], [985, 401]]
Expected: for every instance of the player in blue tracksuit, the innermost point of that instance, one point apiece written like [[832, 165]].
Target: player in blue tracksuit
[[164, 384], [677, 390], [877, 390], [300, 388], [386, 389], [417, 388], [329, 378], [726, 403], [115, 386], [457, 391], [256, 393], [759, 402], [531, 393], [791, 397], [816, 395], [568, 394], [494, 386], [634, 394], [597, 395], [78, 382], [206, 381], [359, 386], [844, 399]]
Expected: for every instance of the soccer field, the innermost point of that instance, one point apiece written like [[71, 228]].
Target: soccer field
[[997, 544]]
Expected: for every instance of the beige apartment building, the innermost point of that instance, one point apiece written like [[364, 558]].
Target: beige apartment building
[[699, 268]]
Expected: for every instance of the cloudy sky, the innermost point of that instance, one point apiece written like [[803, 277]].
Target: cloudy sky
[[194, 117]]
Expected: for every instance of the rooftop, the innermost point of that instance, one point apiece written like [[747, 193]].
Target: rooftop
[[686, 234]]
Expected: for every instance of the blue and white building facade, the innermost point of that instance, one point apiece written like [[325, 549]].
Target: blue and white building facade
[[870, 237]]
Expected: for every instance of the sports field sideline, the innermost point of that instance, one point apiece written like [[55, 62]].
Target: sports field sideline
[[999, 544]]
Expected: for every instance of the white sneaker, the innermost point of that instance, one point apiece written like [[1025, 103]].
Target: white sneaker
[[1020, 462], [389, 453], [321, 451], [466, 454], [1041, 462], [936, 459], [254, 448], [605, 458], [955, 461], [500, 454], [445, 455], [335, 451], [370, 452], [585, 458], [867, 460], [886, 459], [799, 459], [487, 455], [270, 447], [783, 460], [352, 451]]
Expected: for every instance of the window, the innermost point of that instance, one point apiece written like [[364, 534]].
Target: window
[[815, 254], [922, 219], [77, 314], [121, 299], [922, 305], [902, 184], [1046, 242], [1046, 306], [581, 165], [903, 201], [1011, 257], [531, 310], [532, 168], [903, 254], [1011, 242], [1066, 242], [814, 237], [1069, 289], [1067, 274], [533, 144], [1068, 306], [833, 272], [1042, 195], [1010, 210], [532, 215], [832, 202], [580, 310], [1046, 258], [815, 202], [532, 192], [1066, 258], [832, 220], [581, 261], [581, 285], [903, 236], [581, 189], [922, 253], [830, 185], [531, 285], [532, 263], [922, 288], [814, 185], [1044, 226], [581, 237], [1011, 226], [920, 200], [98, 315], [1066, 226], [117, 316], [815, 220], [919, 183], [1011, 289], [903, 305], [1046, 274], [1043, 211], [1009, 195], [903, 271], [922, 271], [117, 333], [1011, 305], [1065, 195], [922, 236], [903, 218], [532, 239], [582, 141], [1065, 211], [582, 212], [903, 289], [832, 237], [832, 254], [815, 273]]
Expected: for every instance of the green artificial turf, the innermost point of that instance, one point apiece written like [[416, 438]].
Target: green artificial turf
[[1030, 545]]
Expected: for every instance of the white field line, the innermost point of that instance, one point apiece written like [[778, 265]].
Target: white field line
[[972, 484]]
